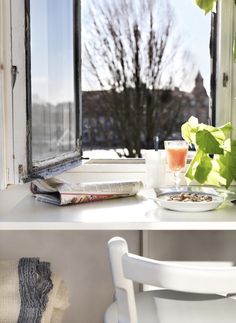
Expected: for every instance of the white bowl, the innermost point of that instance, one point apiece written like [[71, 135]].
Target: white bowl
[[189, 206]]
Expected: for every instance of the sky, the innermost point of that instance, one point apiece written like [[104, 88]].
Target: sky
[[52, 69], [194, 29], [194, 26], [52, 46]]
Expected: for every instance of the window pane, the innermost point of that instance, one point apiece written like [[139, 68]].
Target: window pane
[[52, 78], [146, 70]]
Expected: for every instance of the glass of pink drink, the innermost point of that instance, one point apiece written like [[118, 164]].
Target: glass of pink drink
[[176, 155]]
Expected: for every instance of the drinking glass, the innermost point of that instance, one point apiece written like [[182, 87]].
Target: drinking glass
[[176, 155]]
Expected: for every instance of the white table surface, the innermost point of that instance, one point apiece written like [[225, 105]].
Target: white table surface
[[20, 211]]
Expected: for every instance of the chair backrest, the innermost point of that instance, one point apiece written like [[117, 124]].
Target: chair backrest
[[127, 267]]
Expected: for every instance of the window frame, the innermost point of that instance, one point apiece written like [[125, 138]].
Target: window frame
[[62, 162], [2, 115], [225, 73], [233, 99], [6, 113]]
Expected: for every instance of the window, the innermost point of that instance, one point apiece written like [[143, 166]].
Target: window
[[30, 110], [146, 70], [52, 80], [45, 72]]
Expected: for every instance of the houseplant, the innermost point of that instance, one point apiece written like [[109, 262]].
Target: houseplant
[[215, 159]]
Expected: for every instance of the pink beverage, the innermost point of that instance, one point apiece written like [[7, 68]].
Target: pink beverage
[[176, 157]]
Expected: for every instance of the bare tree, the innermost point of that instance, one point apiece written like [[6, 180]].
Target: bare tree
[[130, 50]]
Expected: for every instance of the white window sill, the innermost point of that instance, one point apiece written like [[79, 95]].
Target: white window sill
[[20, 211]]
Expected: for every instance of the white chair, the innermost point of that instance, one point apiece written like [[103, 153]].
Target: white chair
[[192, 294]]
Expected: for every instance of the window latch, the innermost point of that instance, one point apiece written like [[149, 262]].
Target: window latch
[[225, 79], [14, 72]]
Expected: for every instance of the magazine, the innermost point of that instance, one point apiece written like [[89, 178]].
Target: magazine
[[59, 192]]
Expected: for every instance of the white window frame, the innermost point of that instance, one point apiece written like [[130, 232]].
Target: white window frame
[[2, 114], [233, 97], [44, 168], [13, 119], [226, 68], [13, 112], [6, 113], [19, 91]]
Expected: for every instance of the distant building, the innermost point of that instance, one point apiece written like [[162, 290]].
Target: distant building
[[199, 100], [99, 130], [53, 126]]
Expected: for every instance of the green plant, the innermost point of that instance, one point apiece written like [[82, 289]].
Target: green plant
[[206, 5], [215, 159]]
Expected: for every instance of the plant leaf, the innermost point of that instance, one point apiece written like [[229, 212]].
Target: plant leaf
[[190, 173], [227, 164], [234, 49], [226, 128], [203, 169], [225, 172], [214, 177], [226, 146], [220, 170], [189, 129], [206, 5], [207, 142]]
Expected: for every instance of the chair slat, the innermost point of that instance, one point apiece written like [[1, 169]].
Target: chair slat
[[181, 277]]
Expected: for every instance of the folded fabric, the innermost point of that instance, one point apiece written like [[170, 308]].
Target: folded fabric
[[30, 293]]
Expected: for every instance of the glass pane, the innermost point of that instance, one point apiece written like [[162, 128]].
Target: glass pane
[[146, 70], [52, 78]]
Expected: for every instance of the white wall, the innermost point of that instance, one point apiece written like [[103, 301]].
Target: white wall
[[192, 245]]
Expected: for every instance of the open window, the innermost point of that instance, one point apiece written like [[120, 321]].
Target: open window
[[42, 124], [145, 71], [46, 86], [53, 86]]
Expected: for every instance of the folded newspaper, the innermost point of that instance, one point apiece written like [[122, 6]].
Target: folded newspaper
[[59, 192]]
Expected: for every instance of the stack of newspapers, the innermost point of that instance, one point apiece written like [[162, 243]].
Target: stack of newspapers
[[59, 192]]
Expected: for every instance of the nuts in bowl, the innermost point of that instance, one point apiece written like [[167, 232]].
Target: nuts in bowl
[[190, 197], [189, 201]]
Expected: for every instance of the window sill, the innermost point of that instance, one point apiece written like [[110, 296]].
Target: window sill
[[20, 211]]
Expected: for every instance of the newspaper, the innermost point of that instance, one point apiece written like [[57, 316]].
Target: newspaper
[[59, 192]]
